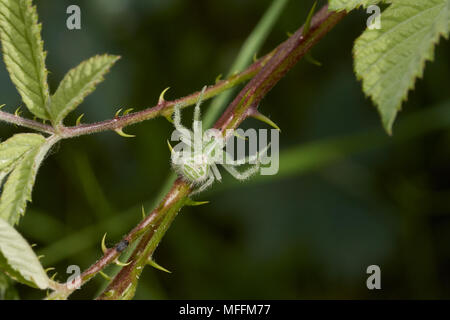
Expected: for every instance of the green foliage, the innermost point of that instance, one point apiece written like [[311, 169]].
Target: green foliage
[[7, 290], [20, 157], [338, 5], [78, 83], [390, 59], [23, 52], [18, 260]]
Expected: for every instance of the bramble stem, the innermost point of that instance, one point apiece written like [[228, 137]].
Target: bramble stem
[[27, 123], [163, 108], [244, 105]]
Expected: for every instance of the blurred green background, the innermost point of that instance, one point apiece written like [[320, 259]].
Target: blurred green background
[[347, 195]]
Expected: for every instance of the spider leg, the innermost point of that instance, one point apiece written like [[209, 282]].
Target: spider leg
[[216, 172], [242, 175], [197, 106], [206, 185]]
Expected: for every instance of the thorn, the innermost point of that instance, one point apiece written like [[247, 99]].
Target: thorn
[[289, 34], [1, 106], [218, 78], [127, 111], [308, 19], [161, 96], [259, 116], [40, 257], [192, 203], [104, 248], [78, 122], [49, 269], [118, 113], [33, 245], [109, 293], [53, 276], [121, 264], [239, 136], [311, 60], [143, 212], [123, 134], [255, 57], [169, 118], [170, 147], [17, 113], [104, 275], [157, 266]]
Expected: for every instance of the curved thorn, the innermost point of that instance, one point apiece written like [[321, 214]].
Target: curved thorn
[[192, 203], [161, 96], [311, 60], [169, 118], [255, 57], [143, 212], [239, 136], [121, 264], [127, 111], [78, 122], [218, 78], [104, 275], [309, 19], [18, 112], [53, 276], [33, 245], [1, 106], [259, 116], [40, 257], [104, 248], [118, 113], [109, 293], [157, 266], [49, 269], [170, 147], [123, 134]]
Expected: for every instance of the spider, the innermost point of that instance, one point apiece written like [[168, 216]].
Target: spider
[[198, 164]]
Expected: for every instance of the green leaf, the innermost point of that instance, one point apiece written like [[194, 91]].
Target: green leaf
[[390, 59], [20, 157], [7, 290], [339, 5], [18, 260], [23, 52], [78, 83]]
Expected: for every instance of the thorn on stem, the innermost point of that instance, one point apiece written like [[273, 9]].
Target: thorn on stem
[[105, 276], [161, 96], [121, 264], [157, 266], [18, 112], [104, 248], [307, 26], [123, 134], [259, 116], [192, 203], [78, 122]]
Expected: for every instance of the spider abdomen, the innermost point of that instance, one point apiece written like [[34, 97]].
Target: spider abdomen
[[196, 171]]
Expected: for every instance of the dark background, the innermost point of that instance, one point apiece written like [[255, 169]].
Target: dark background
[[308, 233]]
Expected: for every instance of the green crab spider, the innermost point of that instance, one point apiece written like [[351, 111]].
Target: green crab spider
[[199, 166]]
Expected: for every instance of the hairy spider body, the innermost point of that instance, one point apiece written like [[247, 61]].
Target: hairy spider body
[[198, 166]]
